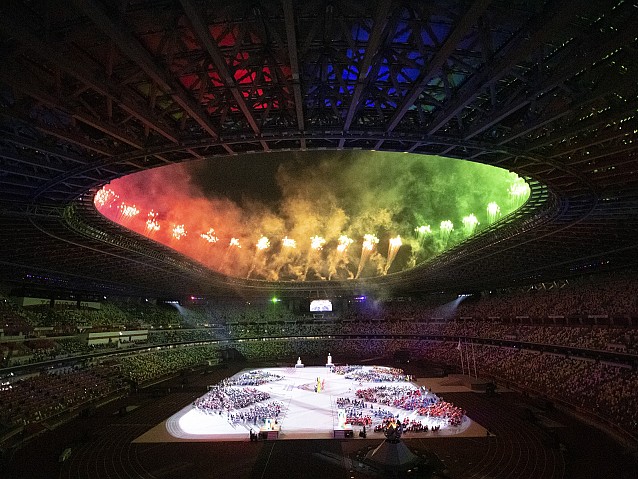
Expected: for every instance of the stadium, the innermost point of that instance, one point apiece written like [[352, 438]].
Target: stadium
[[195, 190]]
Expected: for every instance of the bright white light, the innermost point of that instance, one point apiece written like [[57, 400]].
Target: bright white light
[[308, 415]]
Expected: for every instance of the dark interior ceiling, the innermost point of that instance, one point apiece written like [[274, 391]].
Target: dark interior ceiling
[[91, 90]]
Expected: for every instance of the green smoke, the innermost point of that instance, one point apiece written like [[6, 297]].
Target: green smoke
[[329, 194]]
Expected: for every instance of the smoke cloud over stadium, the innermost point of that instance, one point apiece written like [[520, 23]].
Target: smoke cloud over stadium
[[315, 215]]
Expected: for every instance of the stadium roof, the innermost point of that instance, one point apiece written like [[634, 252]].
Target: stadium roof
[[92, 90]]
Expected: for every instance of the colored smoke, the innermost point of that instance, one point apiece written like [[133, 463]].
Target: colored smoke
[[298, 196]]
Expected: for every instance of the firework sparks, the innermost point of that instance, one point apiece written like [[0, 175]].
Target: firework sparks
[[369, 241], [519, 191], [308, 257], [210, 236], [317, 242], [263, 243], [445, 230], [233, 243], [312, 258], [179, 231], [340, 260], [343, 243], [104, 197], [288, 243], [493, 212], [393, 248], [422, 232], [152, 225], [470, 222], [127, 211]]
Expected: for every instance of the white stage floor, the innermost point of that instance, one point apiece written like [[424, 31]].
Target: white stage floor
[[306, 414]]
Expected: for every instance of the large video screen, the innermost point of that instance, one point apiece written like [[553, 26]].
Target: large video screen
[[320, 305]]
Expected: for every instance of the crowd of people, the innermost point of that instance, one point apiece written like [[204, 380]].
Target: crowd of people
[[258, 414], [143, 368], [402, 397], [252, 378], [598, 337], [371, 405], [345, 402], [605, 389], [345, 369], [240, 403], [171, 336], [378, 374], [443, 410], [224, 398], [14, 320], [357, 417], [66, 318], [38, 398], [583, 314]]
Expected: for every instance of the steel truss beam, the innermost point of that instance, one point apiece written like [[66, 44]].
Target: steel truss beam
[[571, 61], [204, 36], [469, 18], [552, 82], [117, 31], [291, 38], [519, 48], [378, 33], [102, 85]]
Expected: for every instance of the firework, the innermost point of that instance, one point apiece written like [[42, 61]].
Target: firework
[[445, 230], [287, 258], [369, 241], [393, 248], [493, 212], [317, 242], [423, 230], [178, 232], [233, 243], [288, 243], [409, 208], [210, 236], [127, 212], [343, 244], [152, 225], [263, 243], [104, 197], [340, 259], [316, 245], [470, 222], [519, 191]]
